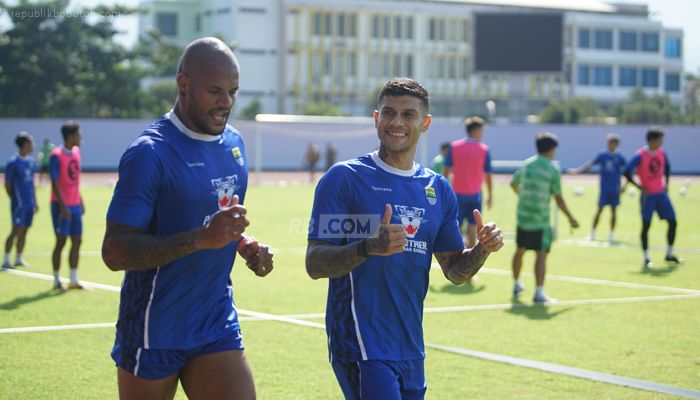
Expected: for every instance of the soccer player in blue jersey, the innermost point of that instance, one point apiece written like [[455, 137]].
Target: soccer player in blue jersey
[[378, 282], [611, 164], [174, 225], [19, 184]]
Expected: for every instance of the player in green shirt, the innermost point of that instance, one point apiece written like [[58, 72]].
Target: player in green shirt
[[438, 163], [535, 182]]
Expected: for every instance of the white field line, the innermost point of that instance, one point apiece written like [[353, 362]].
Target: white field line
[[44, 277], [585, 242], [58, 327]]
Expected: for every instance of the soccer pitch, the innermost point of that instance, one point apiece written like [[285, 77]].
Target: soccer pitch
[[614, 323]]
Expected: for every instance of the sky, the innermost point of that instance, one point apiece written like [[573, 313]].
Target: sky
[[672, 13]]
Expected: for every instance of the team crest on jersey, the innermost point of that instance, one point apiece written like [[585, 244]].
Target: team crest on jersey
[[411, 218], [237, 155], [224, 189], [430, 195]]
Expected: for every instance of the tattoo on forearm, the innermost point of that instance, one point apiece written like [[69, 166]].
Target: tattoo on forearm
[[463, 266], [137, 251], [331, 261]]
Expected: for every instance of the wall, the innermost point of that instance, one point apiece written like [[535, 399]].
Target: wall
[[282, 144]]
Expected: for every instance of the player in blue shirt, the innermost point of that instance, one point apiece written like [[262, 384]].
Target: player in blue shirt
[[174, 224], [19, 185], [611, 163], [378, 282]]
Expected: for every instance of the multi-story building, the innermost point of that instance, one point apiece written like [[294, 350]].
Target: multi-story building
[[293, 52]]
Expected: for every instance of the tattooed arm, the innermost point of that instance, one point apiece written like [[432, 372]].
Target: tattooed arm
[[129, 248], [459, 266]]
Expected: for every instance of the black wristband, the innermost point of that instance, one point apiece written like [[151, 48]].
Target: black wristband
[[362, 249]]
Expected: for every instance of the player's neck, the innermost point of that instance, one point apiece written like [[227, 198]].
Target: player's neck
[[399, 160], [23, 153]]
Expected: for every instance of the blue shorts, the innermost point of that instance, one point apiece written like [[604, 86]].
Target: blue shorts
[[22, 216], [157, 364], [660, 203], [383, 380], [609, 199], [67, 227], [467, 205]]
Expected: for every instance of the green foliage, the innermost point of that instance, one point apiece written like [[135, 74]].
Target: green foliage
[[323, 109], [251, 110], [642, 109], [573, 111], [159, 55], [56, 65], [692, 99], [160, 97]]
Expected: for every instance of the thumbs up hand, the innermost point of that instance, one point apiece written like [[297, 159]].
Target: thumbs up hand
[[391, 239], [488, 235]]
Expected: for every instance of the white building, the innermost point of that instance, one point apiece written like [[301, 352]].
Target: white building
[[340, 51]]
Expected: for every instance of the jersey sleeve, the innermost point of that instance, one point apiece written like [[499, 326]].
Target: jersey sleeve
[[332, 197], [448, 157], [598, 158], [556, 182], [517, 176], [10, 172], [54, 167], [448, 238], [633, 162], [136, 193], [487, 161]]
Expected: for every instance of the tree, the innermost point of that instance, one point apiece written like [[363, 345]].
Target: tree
[[251, 110], [159, 55], [159, 97], [323, 109], [55, 64], [643, 109], [692, 99], [573, 111]]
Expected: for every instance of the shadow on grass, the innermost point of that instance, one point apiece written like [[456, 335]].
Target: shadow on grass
[[534, 311], [657, 271], [467, 288], [22, 300]]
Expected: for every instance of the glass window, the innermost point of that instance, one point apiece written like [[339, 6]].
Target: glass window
[[375, 26], [672, 49], [628, 76], [328, 27], [673, 82], [387, 27], [628, 40], [352, 29], [650, 41], [650, 77], [409, 28], [341, 24], [397, 27], [603, 39], [409, 65], [602, 76], [583, 74], [584, 38], [167, 23]]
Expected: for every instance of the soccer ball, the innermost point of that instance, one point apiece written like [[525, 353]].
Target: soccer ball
[[578, 191], [683, 191], [631, 192]]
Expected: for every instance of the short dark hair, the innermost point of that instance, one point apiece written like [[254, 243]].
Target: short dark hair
[[405, 87], [546, 141], [69, 128], [473, 123], [613, 137], [654, 132], [22, 138], [445, 145]]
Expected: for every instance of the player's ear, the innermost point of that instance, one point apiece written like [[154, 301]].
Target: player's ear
[[427, 121], [375, 114], [183, 83]]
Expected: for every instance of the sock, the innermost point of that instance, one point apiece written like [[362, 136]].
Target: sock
[[18, 258], [56, 277], [611, 237], [539, 291], [74, 275], [518, 283], [670, 251], [646, 254], [7, 258], [592, 233]]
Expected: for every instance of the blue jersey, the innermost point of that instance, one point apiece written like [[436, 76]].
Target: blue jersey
[[172, 180], [376, 311], [19, 172], [611, 167]]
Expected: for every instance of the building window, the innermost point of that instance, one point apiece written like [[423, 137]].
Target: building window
[[316, 23], [650, 77], [166, 23], [375, 26], [397, 27], [252, 10], [341, 24], [408, 64], [673, 83], [386, 29], [436, 29], [409, 28], [628, 76], [672, 48], [584, 38], [602, 76], [352, 28], [628, 40], [650, 42], [603, 39], [583, 75]]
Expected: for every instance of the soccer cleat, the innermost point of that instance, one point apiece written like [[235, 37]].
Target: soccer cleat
[[674, 259], [543, 299], [517, 289], [22, 263], [59, 287], [647, 264], [76, 286], [7, 265]]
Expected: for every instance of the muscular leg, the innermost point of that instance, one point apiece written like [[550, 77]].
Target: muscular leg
[[10, 239], [645, 234], [56, 256], [132, 387], [671, 233], [540, 268], [613, 218], [21, 235], [518, 262], [596, 218], [75, 241], [223, 375]]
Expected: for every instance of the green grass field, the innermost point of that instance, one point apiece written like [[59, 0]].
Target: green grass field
[[647, 331]]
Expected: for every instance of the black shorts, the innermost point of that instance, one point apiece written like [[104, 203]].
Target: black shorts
[[534, 240]]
